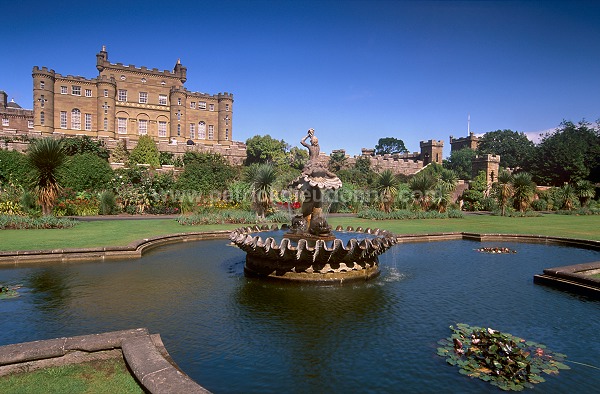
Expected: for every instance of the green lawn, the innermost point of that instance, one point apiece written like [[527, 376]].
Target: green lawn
[[122, 232], [109, 376]]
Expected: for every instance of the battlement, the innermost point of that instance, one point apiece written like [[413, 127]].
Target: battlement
[[43, 70], [431, 143], [75, 78], [141, 70], [225, 96], [489, 158]]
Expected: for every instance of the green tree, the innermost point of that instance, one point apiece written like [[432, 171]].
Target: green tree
[[503, 189], [523, 190], [145, 152], [45, 156], [337, 161], [85, 172], [390, 145], [387, 188], [568, 195], [297, 158], [84, 144], [461, 162], [513, 147], [570, 154], [265, 149], [474, 196], [445, 185], [119, 154]]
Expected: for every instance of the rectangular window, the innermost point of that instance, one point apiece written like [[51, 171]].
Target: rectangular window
[[226, 107], [162, 99], [193, 104], [142, 127], [211, 132], [211, 107], [63, 119], [105, 92], [202, 130], [30, 124], [88, 93], [42, 118], [122, 95], [76, 119], [63, 90], [42, 85], [105, 124], [76, 90], [192, 131], [5, 122], [178, 101], [122, 125], [88, 121], [162, 129], [143, 97], [178, 130], [201, 105], [226, 134]]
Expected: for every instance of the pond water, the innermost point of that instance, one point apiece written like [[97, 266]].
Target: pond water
[[235, 334]]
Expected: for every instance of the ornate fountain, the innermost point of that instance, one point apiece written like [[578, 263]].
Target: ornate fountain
[[309, 251]]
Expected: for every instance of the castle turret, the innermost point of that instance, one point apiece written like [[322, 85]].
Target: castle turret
[[470, 142], [225, 117], [180, 71], [105, 106], [43, 99], [177, 98], [101, 59], [431, 151]]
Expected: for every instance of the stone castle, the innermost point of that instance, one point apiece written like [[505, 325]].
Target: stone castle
[[124, 102]]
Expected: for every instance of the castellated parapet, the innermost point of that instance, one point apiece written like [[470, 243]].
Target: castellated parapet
[[490, 164]]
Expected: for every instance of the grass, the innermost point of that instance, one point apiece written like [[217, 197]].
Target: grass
[[123, 232], [107, 376]]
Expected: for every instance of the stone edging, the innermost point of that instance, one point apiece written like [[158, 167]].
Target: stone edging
[[145, 355]]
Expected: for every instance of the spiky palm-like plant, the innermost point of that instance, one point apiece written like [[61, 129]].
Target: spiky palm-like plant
[[503, 189], [387, 188], [445, 185], [523, 190], [421, 185], [568, 195], [585, 191], [262, 178], [46, 155]]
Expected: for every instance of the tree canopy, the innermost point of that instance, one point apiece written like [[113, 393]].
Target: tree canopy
[[461, 162], [513, 147], [570, 154], [390, 145], [266, 149]]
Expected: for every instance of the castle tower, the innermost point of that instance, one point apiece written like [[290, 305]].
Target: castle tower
[[43, 99], [431, 151], [465, 142], [105, 106], [101, 59], [177, 98], [225, 101], [490, 164]]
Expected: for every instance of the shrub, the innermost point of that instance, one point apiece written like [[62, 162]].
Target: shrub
[[85, 172], [24, 222], [108, 203], [14, 168], [145, 152], [539, 205]]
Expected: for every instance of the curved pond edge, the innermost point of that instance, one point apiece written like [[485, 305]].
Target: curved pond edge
[[144, 354]]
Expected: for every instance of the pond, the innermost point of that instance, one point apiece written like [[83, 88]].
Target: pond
[[235, 334]]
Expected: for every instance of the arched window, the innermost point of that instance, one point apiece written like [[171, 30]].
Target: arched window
[[202, 130], [76, 119]]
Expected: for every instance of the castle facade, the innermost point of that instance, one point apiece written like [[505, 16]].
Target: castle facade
[[127, 102]]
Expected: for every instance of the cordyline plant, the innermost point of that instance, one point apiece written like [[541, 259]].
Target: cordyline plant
[[506, 361]]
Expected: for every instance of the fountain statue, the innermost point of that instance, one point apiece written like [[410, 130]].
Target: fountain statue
[[310, 251]]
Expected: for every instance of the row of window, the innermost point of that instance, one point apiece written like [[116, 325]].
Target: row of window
[[75, 120], [162, 129], [6, 122]]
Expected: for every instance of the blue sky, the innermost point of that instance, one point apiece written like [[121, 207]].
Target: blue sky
[[355, 71]]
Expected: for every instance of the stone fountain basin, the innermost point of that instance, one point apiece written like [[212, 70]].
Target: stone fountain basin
[[352, 255]]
